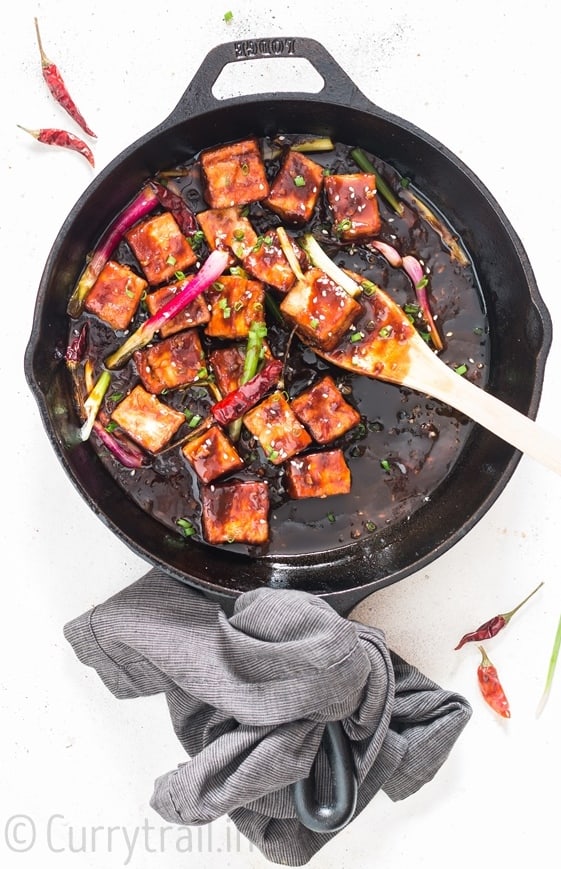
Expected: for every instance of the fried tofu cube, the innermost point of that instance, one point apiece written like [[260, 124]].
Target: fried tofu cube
[[234, 174], [321, 310], [324, 411], [147, 420], [228, 229], [173, 362], [296, 188], [235, 303], [212, 455], [268, 263], [318, 475], [354, 205], [116, 294], [195, 314], [277, 428], [161, 248], [226, 364], [236, 512]]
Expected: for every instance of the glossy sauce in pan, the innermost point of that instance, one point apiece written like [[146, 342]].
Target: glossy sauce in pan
[[406, 443]]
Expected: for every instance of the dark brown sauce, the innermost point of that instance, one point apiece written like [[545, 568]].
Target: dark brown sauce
[[406, 443]]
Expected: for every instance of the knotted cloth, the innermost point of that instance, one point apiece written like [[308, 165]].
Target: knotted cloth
[[249, 695]]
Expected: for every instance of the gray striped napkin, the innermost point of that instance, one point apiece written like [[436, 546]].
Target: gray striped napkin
[[249, 695]]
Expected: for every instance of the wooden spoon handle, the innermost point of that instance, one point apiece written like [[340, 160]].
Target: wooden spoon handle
[[428, 374]]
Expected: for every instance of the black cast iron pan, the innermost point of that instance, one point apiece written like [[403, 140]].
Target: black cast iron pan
[[519, 325]]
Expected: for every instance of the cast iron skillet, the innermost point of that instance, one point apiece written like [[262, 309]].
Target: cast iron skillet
[[519, 324]]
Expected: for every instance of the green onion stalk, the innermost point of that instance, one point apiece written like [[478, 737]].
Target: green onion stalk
[[255, 342], [550, 670]]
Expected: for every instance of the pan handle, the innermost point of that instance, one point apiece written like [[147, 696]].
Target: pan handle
[[333, 816], [337, 87]]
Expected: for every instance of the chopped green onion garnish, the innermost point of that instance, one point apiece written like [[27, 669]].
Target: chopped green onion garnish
[[356, 336], [197, 239], [171, 260], [225, 308], [461, 369], [186, 526], [385, 332], [331, 517], [300, 181], [385, 465], [343, 225], [228, 16], [368, 287]]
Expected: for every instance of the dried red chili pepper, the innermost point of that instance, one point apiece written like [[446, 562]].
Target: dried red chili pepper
[[57, 87], [185, 218], [238, 402], [492, 627], [63, 139], [490, 686], [77, 347]]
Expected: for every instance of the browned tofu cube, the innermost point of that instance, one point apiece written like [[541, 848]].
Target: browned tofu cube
[[354, 205], [277, 428], [116, 294], [268, 263], [148, 421], [324, 411], [195, 314], [296, 188], [161, 248], [226, 364], [228, 229], [235, 303], [234, 174], [173, 362], [212, 455], [318, 475], [320, 309], [236, 512]]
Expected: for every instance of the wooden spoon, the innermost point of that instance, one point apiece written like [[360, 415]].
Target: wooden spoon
[[395, 352]]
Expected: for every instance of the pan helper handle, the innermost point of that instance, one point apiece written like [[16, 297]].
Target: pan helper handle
[[333, 816]]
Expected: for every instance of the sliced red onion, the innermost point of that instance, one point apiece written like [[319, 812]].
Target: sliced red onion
[[127, 453], [389, 252], [414, 269]]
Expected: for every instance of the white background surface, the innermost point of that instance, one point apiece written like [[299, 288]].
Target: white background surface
[[482, 78]]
